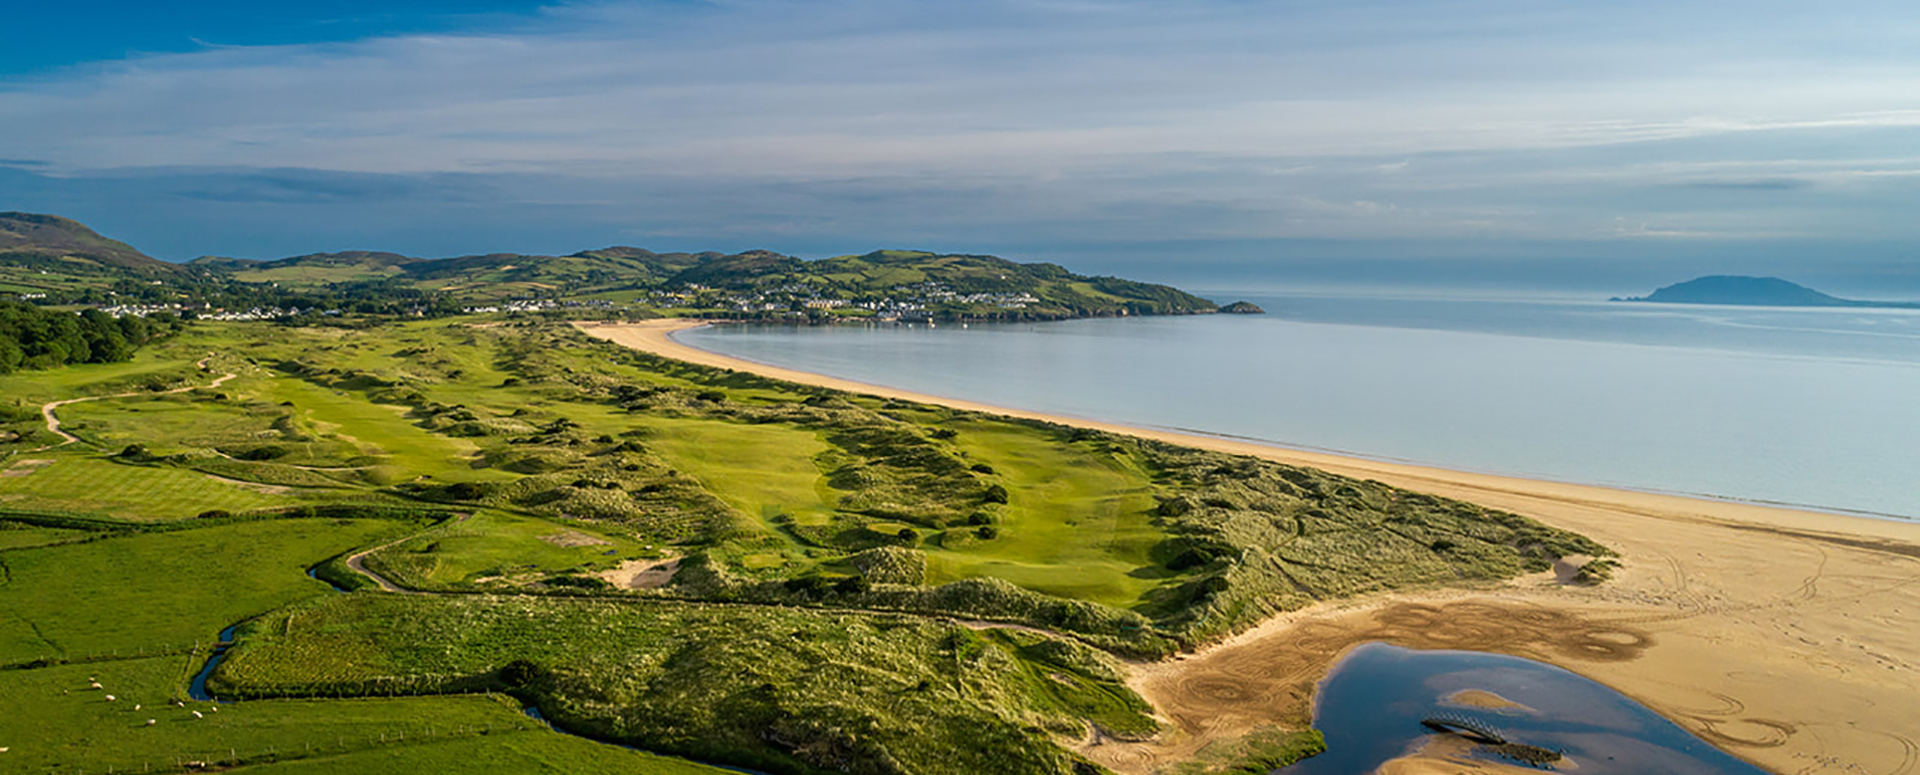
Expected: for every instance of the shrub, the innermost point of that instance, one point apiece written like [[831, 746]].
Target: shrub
[[995, 494], [987, 532]]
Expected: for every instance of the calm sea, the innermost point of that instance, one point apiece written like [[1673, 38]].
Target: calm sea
[[1812, 407]]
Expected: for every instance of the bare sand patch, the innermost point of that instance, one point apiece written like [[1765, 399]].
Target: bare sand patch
[[26, 467], [1789, 638], [642, 574], [1449, 755], [1477, 698], [574, 538]]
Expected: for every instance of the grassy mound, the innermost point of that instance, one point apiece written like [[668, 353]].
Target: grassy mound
[[777, 689]]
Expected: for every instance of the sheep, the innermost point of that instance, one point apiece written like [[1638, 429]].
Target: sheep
[[136, 706], [94, 685], [109, 698], [196, 714], [152, 721]]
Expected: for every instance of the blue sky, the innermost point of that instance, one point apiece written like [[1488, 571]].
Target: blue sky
[[1627, 139]]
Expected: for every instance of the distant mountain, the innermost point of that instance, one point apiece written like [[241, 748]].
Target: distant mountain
[[53, 242], [1752, 291]]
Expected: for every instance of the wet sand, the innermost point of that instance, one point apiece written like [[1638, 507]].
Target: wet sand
[[1789, 638]]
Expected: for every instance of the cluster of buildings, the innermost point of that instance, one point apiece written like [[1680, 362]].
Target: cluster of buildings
[[538, 305], [907, 302]]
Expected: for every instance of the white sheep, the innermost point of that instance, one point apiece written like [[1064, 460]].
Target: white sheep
[[94, 685], [196, 714], [109, 698], [152, 721], [136, 706]]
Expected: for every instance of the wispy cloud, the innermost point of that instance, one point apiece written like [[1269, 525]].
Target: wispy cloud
[[1051, 119]]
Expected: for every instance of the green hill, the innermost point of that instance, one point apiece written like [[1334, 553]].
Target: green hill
[[58, 261], [61, 242]]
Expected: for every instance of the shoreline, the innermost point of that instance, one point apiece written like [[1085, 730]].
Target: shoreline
[[1788, 637]]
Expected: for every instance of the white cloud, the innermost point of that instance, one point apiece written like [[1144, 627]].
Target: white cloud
[[1252, 108]]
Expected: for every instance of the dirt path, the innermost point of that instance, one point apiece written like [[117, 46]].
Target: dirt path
[[53, 422], [357, 561]]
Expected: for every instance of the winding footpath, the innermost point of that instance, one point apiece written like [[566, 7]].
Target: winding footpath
[[53, 422]]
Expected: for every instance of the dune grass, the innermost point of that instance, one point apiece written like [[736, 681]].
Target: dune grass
[[141, 592], [88, 482], [762, 687]]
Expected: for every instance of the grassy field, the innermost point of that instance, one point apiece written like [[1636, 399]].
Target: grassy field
[[130, 593], [758, 687], [114, 598]]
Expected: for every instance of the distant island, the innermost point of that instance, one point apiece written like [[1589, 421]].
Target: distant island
[[1243, 308], [1755, 292]]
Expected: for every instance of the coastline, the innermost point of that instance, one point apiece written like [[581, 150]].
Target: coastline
[[1790, 638]]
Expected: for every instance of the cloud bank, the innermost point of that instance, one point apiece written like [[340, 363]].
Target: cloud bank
[[1006, 123]]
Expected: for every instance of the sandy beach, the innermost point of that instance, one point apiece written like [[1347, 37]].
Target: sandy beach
[[1789, 638]]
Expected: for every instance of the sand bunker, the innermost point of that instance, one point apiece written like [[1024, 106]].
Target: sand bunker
[[642, 574]]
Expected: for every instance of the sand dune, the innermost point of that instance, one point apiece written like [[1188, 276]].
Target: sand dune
[[1789, 638]]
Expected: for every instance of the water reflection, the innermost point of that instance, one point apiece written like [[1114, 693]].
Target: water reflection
[[1372, 706]]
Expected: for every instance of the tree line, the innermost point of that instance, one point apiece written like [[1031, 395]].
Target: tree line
[[36, 338]]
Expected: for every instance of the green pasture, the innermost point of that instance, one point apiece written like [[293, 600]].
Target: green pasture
[[36, 387], [93, 484], [531, 752], [130, 593], [1079, 524], [493, 543], [51, 720]]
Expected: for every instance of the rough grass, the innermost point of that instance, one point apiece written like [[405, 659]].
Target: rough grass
[[508, 548], [138, 592], [761, 687]]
